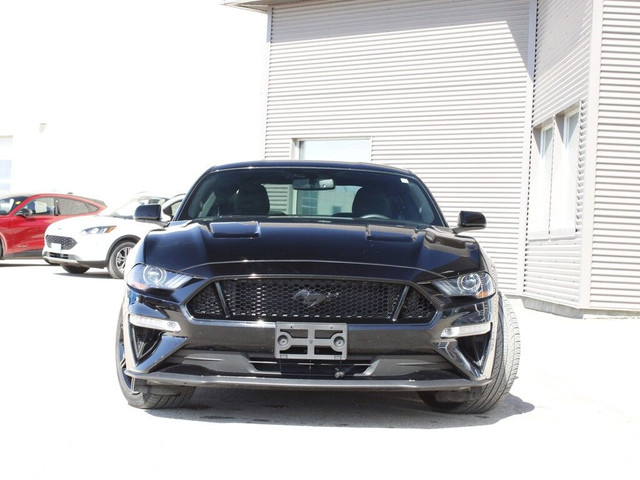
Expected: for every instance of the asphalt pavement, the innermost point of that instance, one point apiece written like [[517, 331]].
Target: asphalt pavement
[[572, 411]]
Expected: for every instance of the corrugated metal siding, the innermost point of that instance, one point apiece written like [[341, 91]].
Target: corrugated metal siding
[[439, 86], [562, 56], [553, 266], [615, 279]]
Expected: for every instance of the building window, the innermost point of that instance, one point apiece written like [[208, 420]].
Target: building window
[[540, 185], [564, 178], [5, 163], [348, 150], [554, 178]]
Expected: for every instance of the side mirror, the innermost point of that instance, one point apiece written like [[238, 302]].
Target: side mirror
[[24, 212], [470, 221], [148, 213]]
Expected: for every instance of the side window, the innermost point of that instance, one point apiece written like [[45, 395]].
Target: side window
[[68, 206], [170, 210], [42, 206], [174, 209]]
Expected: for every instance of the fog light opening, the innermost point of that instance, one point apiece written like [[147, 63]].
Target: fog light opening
[[466, 330], [154, 323]]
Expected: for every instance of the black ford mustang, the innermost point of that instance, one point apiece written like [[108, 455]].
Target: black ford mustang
[[312, 275]]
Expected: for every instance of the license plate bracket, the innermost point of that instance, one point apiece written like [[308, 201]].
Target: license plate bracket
[[311, 341]]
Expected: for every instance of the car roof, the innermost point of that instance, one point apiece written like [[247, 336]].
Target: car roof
[[329, 164], [52, 194]]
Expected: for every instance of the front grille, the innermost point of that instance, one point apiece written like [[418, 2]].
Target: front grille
[[347, 301], [67, 243], [206, 304], [416, 306], [62, 256], [317, 299]]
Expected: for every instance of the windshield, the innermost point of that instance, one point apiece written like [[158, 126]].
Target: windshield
[[126, 209], [9, 203], [295, 192]]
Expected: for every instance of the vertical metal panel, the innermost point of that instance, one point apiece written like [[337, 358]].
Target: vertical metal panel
[[553, 266], [439, 86], [615, 275]]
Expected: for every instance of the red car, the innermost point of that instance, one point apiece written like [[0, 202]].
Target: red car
[[24, 218]]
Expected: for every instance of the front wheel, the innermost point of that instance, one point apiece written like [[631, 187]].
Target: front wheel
[[138, 393], [118, 258], [505, 369]]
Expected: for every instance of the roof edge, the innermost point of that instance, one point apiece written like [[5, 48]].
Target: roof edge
[[259, 5]]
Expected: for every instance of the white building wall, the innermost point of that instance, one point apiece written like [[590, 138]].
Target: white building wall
[[615, 275], [553, 267], [440, 87], [563, 38], [6, 159]]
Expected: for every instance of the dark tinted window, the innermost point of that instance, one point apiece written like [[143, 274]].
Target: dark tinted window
[[297, 192], [69, 206]]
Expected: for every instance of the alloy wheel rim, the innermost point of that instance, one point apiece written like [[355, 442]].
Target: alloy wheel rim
[[121, 258]]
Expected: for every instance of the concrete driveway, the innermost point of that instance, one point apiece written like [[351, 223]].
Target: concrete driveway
[[571, 413]]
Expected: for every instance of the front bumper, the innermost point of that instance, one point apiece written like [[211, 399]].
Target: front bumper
[[391, 357], [90, 251]]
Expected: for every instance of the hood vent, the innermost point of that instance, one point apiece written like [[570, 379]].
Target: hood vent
[[235, 229], [390, 234]]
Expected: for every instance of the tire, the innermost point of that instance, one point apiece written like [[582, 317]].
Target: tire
[[138, 393], [118, 258], [74, 270], [505, 369]]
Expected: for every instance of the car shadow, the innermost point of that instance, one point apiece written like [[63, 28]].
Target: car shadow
[[98, 274], [23, 263], [331, 409]]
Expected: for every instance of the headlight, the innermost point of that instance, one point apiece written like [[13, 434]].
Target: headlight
[[145, 277], [477, 285], [96, 230]]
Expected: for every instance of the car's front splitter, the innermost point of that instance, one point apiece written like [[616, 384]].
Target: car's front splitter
[[305, 383]]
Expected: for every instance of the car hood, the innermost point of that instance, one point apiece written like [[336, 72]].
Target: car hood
[[321, 248]]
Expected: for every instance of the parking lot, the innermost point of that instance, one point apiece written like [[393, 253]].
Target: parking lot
[[572, 410]]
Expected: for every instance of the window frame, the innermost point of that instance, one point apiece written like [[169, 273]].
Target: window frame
[[565, 162], [540, 181], [553, 177]]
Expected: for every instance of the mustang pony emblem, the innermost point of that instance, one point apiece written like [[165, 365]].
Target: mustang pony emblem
[[311, 299]]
